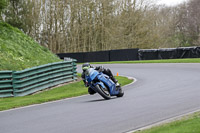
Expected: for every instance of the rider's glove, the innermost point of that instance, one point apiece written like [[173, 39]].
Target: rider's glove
[[101, 68]]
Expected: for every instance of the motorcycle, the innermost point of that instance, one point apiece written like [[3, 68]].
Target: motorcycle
[[102, 84]]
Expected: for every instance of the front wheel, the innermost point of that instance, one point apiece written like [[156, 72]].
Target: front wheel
[[103, 92], [121, 92]]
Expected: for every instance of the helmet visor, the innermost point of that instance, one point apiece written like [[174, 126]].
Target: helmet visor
[[85, 68]]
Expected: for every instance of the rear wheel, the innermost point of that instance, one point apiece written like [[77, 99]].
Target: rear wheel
[[104, 92]]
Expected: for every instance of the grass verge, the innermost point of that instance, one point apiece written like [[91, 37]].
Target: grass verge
[[66, 91], [188, 124], [189, 60]]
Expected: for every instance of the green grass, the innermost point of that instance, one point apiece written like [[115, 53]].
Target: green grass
[[66, 91], [18, 51], [189, 60], [189, 124]]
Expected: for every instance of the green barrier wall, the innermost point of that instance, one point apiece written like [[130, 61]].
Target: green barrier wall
[[6, 88], [28, 81]]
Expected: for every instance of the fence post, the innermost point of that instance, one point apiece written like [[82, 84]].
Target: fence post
[[13, 83], [74, 69], [6, 88]]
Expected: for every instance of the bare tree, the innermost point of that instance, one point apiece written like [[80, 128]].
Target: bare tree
[[94, 25]]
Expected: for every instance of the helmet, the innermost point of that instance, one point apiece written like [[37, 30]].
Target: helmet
[[85, 66]]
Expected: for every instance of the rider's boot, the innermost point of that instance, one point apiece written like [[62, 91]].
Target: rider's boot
[[91, 91], [115, 81]]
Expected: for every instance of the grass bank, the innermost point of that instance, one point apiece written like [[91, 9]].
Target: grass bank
[[66, 91], [189, 60], [188, 124], [18, 51]]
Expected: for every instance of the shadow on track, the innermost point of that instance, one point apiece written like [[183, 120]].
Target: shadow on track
[[101, 100]]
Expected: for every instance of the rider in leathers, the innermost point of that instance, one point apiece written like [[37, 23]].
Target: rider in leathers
[[86, 66]]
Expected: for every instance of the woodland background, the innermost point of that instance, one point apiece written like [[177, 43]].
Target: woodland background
[[95, 25]]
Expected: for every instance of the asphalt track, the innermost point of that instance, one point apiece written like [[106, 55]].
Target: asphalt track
[[162, 91]]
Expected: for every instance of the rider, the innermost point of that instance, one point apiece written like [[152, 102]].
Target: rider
[[86, 66]]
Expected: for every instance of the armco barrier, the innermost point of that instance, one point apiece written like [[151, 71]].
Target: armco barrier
[[6, 88], [31, 80]]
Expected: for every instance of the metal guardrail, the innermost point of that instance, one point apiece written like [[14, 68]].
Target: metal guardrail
[[28, 81]]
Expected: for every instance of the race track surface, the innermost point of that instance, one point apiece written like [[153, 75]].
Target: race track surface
[[162, 91]]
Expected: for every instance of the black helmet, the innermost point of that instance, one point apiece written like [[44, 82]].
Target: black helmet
[[85, 66]]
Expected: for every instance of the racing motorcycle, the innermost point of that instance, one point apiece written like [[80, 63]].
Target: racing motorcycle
[[102, 84]]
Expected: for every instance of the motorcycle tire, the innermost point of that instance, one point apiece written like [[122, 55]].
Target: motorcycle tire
[[121, 92], [103, 92]]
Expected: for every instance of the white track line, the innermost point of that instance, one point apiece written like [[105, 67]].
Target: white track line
[[134, 80]]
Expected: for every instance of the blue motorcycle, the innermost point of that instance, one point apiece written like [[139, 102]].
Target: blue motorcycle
[[102, 84]]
